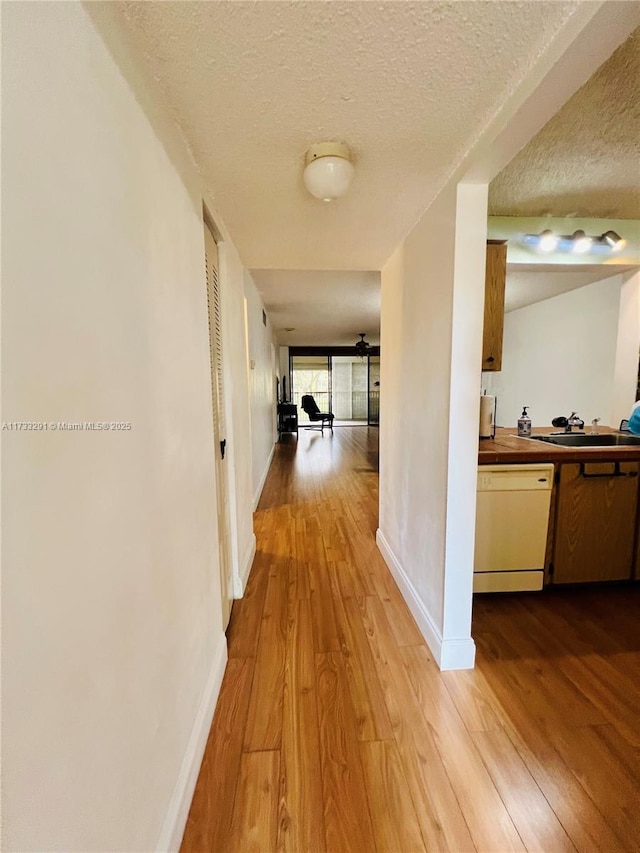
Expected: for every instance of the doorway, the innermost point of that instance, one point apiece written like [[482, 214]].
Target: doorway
[[310, 374], [219, 428], [340, 382]]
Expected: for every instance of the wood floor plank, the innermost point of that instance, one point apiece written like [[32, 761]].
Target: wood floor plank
[[301, 814], [392, 809], [264, 719], [557, 696], [209, 821], [532, 815], [440, 817], [360, 550], [346, 809], [403, 626], [372, 718], [604, 778], [612, 692], [625, 753], [489, 822], [244, 626], [255, 814], [473, 700], [583, 822], [538, 747], [299, 569], [345, 580], [607, 622], [325, 630]]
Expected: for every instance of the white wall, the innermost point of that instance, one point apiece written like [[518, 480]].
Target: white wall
[[262, 386], [415, 335], [559, 356], [628, 345], [418, 515], [112, 647], [238, 411]]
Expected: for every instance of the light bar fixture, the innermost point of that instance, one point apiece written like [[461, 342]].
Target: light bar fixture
[[579, 243], [548, 241], [615, 241]]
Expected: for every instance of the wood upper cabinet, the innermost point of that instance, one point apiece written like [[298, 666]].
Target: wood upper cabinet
[[495, 280], [596, 521]]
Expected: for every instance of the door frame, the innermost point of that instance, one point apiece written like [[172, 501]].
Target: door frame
[[222, 474]]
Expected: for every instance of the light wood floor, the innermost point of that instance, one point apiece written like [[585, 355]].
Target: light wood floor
[[335, 731]]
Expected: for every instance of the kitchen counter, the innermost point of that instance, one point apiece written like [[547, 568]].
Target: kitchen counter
[[507, 446]]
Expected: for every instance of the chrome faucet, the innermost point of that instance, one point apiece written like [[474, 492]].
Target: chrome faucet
[[574, 421], [568, 424]]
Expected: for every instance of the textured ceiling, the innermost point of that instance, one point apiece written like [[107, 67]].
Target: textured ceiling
[[325, 308], [531, 283], [586, 160], [407, 85]]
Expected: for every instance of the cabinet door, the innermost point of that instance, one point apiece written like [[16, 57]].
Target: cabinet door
[[636, 570], [495, 279], [596, 518]]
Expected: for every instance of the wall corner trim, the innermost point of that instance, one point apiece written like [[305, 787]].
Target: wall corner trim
[[458, 654], [263, 479], [449, 654], [180, 803], [247, 562]]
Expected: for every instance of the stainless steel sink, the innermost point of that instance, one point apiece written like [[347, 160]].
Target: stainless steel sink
[[604, 440]]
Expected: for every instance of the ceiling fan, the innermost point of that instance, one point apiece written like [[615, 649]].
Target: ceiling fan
[[362, 346]]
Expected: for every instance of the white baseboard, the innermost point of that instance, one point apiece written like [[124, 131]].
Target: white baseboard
[[458, 654], [449, 654], [263, 479], [178, 811], [247, 562]]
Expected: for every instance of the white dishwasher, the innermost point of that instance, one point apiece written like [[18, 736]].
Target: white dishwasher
[[512, 520]]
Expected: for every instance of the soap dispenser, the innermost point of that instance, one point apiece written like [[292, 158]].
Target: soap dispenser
[[524, 423]]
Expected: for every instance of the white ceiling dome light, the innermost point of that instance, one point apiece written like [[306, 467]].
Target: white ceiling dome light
[[328, 170]]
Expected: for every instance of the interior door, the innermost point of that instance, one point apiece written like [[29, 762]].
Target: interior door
[[219, 431]]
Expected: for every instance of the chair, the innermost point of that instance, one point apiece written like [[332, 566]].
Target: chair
[[310, 406]]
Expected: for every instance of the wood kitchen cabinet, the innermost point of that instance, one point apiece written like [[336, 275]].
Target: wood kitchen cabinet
[[495, 280], [595, 527]]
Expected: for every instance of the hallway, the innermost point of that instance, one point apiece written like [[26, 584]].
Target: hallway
[[335, 730]]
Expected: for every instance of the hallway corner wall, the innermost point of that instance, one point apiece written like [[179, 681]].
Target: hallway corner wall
[[430, 372], [112, 645], [238, 412], [414, 391], [262, 381]]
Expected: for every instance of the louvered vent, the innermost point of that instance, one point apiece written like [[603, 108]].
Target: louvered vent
[[215, 335]]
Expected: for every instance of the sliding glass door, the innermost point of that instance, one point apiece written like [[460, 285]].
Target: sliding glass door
[[349, 388], [347, 385], [310, 374]]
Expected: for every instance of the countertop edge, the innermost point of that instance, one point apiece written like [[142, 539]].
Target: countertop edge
[[507, 447]]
